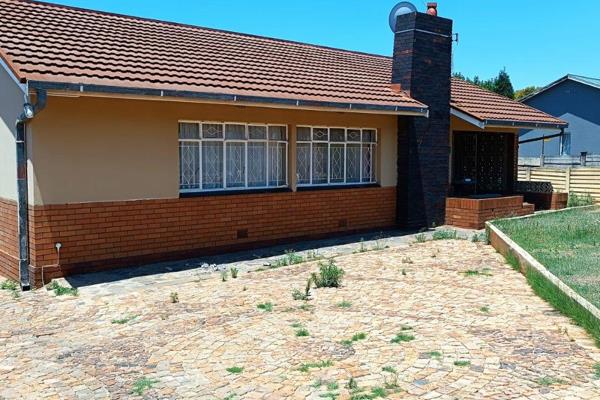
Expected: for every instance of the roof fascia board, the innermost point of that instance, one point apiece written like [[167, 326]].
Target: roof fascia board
[[545, 88], [524, 124], [10, 72], [467, 118], [74, 90]]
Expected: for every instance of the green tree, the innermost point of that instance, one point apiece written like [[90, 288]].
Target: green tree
[[522, 93], [503, 85]]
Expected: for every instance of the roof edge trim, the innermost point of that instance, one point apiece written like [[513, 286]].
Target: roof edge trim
[[221, 97], [467, 118], [524, 124]]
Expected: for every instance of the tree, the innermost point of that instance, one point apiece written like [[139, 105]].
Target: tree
[[501, 84], [522, 93]]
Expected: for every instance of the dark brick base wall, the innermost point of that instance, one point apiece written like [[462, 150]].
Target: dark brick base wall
[[116, 234], [9, 244]]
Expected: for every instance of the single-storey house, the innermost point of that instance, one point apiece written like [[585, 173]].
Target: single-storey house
[[576, 100], [127, 140]]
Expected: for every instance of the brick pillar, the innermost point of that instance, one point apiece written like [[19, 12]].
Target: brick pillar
[[422, 67]]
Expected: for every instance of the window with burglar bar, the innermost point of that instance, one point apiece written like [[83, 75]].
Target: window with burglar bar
[[217, 156], [335, 156]]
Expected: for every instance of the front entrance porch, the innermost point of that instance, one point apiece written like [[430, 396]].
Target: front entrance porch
[[483, 179]]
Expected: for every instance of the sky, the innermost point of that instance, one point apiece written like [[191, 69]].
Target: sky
[[537, 41]]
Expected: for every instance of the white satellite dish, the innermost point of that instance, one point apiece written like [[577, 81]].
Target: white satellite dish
[[404, 7]]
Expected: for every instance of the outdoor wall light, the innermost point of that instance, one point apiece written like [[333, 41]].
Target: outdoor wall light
[[28, 111]]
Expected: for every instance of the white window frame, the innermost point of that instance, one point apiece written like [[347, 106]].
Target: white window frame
[[373, 145], [245, 141]]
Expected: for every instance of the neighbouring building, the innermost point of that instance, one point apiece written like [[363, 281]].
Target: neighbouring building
[[576, 100], [127, 140]]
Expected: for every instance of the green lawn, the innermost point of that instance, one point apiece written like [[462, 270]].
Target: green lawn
[[567, 243]]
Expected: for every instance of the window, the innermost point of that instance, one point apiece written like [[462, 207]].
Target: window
[[216, 156], [335, 156]]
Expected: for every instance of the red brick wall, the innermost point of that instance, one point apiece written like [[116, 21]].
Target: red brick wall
[[474, 213], [115, 234], [9, 242]]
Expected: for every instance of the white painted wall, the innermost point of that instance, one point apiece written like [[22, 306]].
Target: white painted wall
[[11, 105]]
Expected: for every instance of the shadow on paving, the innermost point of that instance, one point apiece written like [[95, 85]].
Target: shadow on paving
[[338, 245]]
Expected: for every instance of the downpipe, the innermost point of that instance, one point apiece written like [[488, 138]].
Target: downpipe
[[29, 112]]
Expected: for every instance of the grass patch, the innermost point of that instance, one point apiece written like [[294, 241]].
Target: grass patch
[[266, 307], [62, 290], [462, 363], [344, 304], [302, 332], [580, 200], [124, 320], [141, 385], [235, 370], [513, 261], [9, 285], [445, 234], [316, 365], [403, 337]]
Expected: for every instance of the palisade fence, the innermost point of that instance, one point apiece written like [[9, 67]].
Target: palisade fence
[[580, 180], [583, 160]]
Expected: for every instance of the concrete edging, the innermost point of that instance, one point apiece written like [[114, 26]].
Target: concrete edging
[[504, 245]]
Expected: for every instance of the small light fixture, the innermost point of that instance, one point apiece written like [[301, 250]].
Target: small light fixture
[[28, 111]]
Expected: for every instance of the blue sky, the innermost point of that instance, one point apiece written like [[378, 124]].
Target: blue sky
[[537, 41]]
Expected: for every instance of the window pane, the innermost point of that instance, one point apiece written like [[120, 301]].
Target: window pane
[[337, 163], [212, 131], [320, 163], [277, 133], [236, 164], [303, 134], [189, 131], [354, 135], [235, 131], [367, 163], [277, 164], [303, 163], [257, 132], [353, 163], [189, 165], [368, 136], [212, 165], [337, 135], [257, 164], [321, 134]]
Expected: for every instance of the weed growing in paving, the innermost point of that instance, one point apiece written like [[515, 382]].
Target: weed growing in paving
[[298, 295], [290, 258], [380, 244], [330, 275], [302, 332], [361, 247], [404, 272], [224, 276], [407, 260], [344, 304], [316, 365], [352, 385], [549, 381], [267, 307], [12, 287], [421, 238], [124, 320], [445, 235], [462, 363], [63, 291], [306, 307], [235, 370], [230, 396], [313, 255], [485, 309], [143, 384], [234, 272], [174, 297], [434, 354], [355, 338], [597, 370], [403, 337], [480, 238], [474, 272]]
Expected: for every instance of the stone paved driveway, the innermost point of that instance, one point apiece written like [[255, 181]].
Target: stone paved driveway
[[476, 335]]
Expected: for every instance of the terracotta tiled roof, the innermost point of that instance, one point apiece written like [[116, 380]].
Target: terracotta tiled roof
[[489, 107], [45, 42], [49, 43]]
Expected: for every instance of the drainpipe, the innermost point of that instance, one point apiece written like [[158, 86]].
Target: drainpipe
[[29, 111]]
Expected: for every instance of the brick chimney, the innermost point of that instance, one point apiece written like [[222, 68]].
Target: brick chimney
[[422, 67]]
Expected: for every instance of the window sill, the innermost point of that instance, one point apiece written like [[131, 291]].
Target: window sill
[[337, 187], [232, 192]]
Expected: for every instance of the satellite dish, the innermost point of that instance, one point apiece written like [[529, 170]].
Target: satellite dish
[[404, 7]]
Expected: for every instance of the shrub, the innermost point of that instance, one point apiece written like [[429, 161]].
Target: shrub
[[330, 275], [579, 200]]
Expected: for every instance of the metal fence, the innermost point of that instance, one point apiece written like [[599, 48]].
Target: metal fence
[[567, 180]]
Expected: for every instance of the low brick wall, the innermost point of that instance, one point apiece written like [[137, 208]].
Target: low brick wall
[[104, 235], [474, 213], [547, 201], [9, 242]]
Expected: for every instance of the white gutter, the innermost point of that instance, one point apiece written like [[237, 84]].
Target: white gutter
[[467, 118]]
